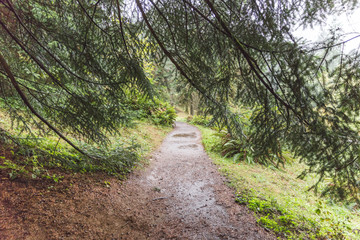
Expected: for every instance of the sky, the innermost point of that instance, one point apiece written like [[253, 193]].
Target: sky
[[349, 22]]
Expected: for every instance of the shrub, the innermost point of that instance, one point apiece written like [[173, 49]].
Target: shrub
[[199, 120], [163, 115], [160, 113]]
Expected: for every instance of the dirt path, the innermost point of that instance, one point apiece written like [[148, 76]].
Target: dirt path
[[179, 196], [186, 196]]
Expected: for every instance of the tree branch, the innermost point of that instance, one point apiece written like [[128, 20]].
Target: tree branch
[[252, 63], [30, 107]]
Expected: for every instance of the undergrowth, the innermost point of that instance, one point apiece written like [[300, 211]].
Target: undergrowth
[[198, 120], [28, 149], [36, 157], [282, 202]]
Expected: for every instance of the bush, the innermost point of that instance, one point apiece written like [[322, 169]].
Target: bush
[[160, 113], [163, 115], [198, 120]]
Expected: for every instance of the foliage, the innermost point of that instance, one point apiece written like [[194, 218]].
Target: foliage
[[75, 62], [164, 116], [282, 202], [160, 113], [36, 158], [198, 120], [238, 150], [15, 169], [68, 82], [242, 150], [41, 156], [244, 53], [287, 224]]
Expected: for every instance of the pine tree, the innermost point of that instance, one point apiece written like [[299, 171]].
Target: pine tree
[[73, 60]]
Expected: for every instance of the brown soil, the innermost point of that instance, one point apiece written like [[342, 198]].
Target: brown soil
[[180, 195]]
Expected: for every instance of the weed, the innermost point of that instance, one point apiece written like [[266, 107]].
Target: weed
[[54, 177], [107, 184], [15, 170]]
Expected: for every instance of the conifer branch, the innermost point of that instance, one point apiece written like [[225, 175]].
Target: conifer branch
[[31, 108]]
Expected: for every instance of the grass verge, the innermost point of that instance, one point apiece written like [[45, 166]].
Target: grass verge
[[48, 157], [281, 202]]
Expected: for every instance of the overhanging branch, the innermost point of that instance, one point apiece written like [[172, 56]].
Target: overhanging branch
[[30, 107]]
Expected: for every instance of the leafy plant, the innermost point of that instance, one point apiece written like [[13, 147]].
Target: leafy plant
[[160, 113], [336, 227], [16, 170], [198, 120], [54, 177], [285, 223], [164, 116], [238, 150]]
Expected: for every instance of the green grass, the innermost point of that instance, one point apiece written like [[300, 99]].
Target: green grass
[[37, 156], [282, 202], [181, 116]]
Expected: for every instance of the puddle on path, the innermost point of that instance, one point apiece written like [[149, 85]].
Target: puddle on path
[[188, 146], [186, 135]]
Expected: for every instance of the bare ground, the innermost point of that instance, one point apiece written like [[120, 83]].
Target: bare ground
[[180, 195]]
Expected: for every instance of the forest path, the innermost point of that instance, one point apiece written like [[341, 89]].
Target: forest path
[[182, 196]]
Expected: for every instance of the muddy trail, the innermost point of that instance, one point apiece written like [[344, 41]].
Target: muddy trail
[[180, 195], [184, 197]]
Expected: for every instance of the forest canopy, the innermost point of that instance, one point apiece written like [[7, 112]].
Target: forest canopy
[[74, 64]]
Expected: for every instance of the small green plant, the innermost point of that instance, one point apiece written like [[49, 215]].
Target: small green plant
[[237, 149], [271, 216], [270, 223], [15, 170], [258, 205], [336, 228], [54, 177], [37, 168], [107, 184]]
